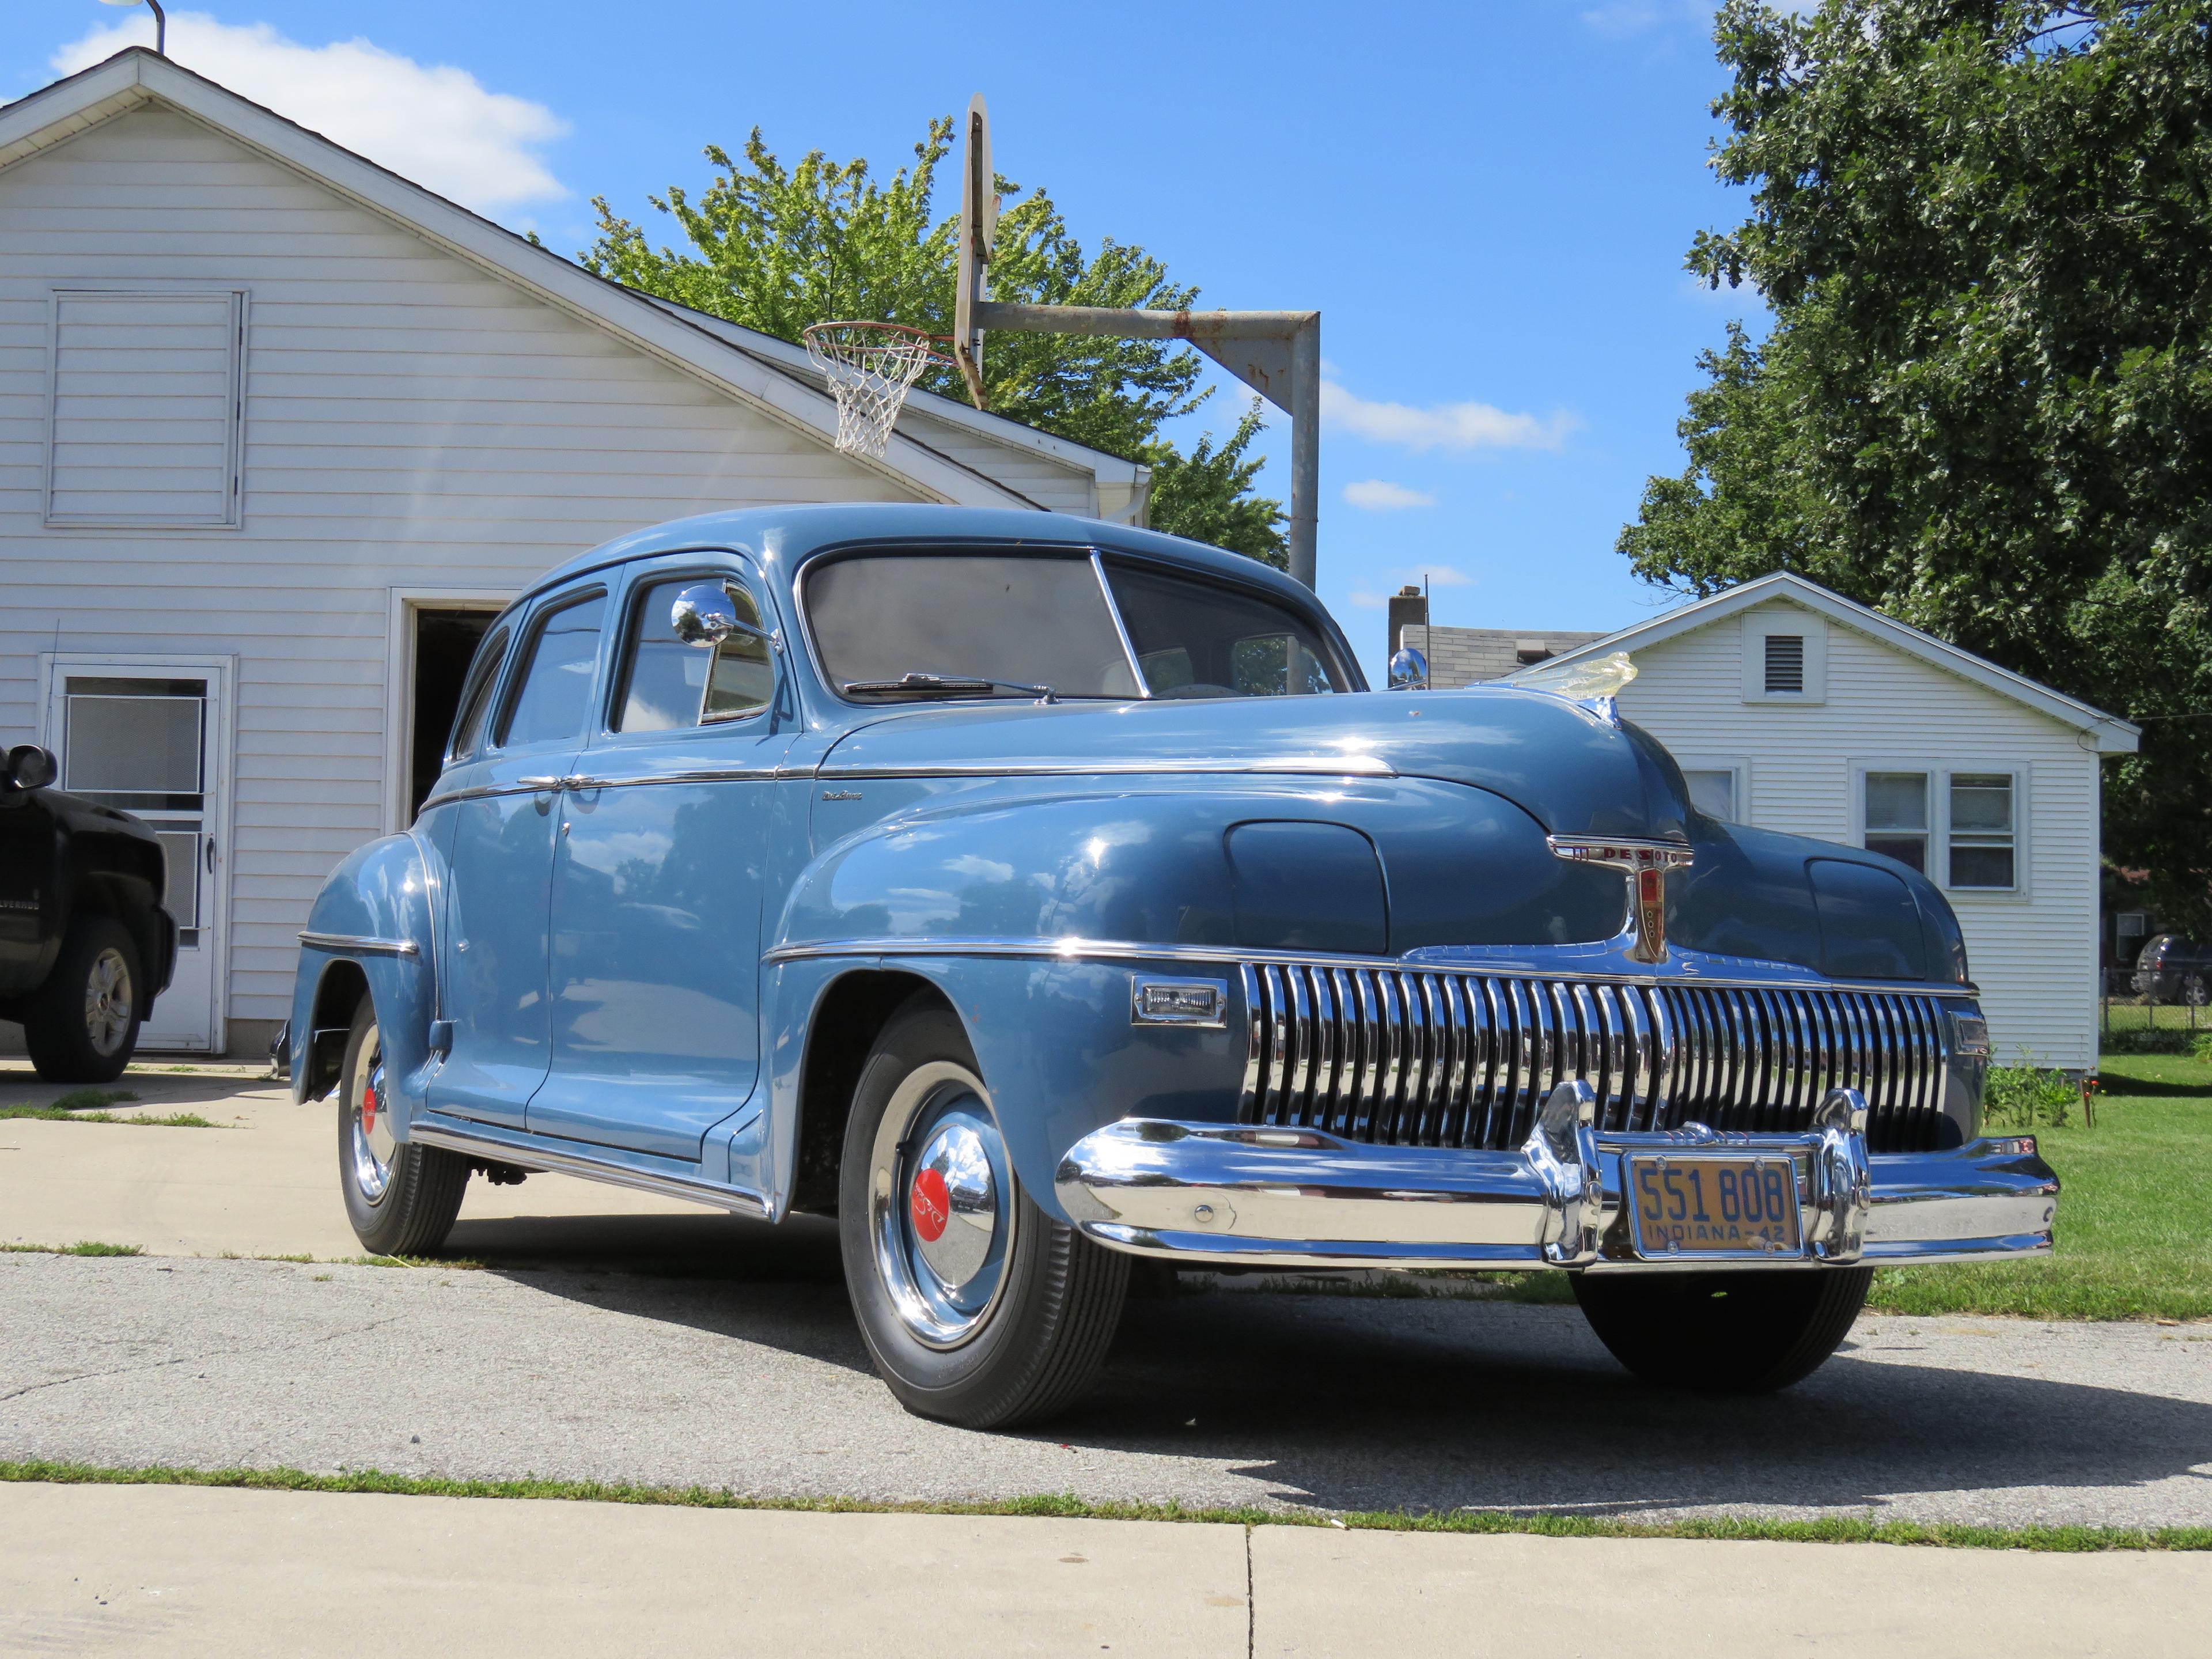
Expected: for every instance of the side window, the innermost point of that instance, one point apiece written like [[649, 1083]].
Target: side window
[[556, 675], [475, 701], [670, 681], [1896, 816]]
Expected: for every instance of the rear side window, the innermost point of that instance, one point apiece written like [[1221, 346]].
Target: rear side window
[[670, 683], [1196, 639], [475, 701], [556, 675]]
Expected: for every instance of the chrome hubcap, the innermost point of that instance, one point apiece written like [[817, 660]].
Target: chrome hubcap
[[107, 1002], [941, 1204], [368, 1123]]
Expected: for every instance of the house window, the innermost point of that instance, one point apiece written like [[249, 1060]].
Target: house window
[[1896, 816], [1712, 791], [1785, 665], [1981, 845], [144, 410]]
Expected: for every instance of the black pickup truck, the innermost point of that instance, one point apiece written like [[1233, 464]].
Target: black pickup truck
[[85, 945]]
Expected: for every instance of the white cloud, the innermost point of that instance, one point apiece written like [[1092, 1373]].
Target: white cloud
[[1440, 575], [1369, 601], [437, 125], [1379, 495], [1442, 426]]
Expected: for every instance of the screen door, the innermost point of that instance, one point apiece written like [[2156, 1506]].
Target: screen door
[[142, 737]]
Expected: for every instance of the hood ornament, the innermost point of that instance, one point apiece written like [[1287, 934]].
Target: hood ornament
[[1645, 863]]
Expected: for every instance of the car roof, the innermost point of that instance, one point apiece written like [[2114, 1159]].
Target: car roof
[[783, 537]]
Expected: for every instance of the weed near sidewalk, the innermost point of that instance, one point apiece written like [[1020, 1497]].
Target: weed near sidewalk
[[2070, 1539]]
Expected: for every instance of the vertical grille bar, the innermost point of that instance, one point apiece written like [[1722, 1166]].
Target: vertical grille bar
[[1300, 1092], [1255, 1047], [1278, 1044], [1482, 1060], [1324, 1050]]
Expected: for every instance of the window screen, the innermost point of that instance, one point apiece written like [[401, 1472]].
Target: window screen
[[144, 422], [668, 683], [1785, 663], [1896, 816], [557, 676]]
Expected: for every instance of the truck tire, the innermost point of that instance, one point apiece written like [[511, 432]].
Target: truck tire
[[977, 1307], [402, 1198], [1724, 1332], [82, 1026]]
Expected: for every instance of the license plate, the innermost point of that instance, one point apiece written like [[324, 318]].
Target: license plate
[[1715, 1207]]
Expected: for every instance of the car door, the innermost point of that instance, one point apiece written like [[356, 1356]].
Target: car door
[[657, 873], [506, 815]]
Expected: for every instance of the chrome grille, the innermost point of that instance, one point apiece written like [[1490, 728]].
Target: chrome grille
[[1406, 1058]]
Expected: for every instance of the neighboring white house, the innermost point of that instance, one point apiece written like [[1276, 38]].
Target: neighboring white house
[[278, 429], [1792, 708]]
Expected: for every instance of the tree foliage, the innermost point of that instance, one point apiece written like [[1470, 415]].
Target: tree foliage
[[1984, 228], [776, 248]]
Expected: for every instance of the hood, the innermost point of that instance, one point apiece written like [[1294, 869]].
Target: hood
[[1572, 770]]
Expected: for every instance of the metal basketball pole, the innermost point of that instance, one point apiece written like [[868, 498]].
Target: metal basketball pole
[[1276, 353]]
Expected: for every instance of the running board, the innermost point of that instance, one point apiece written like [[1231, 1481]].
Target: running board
[[535, 1158]]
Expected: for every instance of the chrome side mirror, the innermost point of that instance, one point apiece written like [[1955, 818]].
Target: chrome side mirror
[[703, 614], [28, 767], [1409, 671]]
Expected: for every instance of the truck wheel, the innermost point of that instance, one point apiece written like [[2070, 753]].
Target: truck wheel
[[1724, 1332], [978, 1308], [82, 1026], [401, 1198]]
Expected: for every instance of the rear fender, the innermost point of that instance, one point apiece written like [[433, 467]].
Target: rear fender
[[373, 925]]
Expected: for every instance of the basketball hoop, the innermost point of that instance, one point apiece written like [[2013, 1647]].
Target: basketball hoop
[[870, 367]]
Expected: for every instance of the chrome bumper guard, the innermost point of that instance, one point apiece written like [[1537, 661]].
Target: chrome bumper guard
[[1237, 1193]]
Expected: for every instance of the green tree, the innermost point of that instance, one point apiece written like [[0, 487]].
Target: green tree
[[777, 247], [1984, 229]]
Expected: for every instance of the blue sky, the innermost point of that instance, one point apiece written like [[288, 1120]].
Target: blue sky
[[1488, 203]]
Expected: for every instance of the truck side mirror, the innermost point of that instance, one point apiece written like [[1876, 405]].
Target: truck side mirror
[[703, 614], [1409, 671], [28, 767]]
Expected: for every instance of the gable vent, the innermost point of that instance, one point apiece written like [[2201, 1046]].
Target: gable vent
[[143, 423], [1785, 663]]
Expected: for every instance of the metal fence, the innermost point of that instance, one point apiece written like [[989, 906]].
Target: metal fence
[[2122, 1007]]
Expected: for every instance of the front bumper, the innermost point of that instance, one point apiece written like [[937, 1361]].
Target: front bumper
[[1244, 1194]]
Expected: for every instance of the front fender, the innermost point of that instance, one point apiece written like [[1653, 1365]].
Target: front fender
[[373, 922]]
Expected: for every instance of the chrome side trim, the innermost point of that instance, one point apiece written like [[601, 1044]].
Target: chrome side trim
[[1327, 766], [364, 944], [1121, 627], [536, 1156], [1573, 962]]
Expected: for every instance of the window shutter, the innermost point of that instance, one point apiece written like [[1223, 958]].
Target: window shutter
[[143, 420], [1785, 662]]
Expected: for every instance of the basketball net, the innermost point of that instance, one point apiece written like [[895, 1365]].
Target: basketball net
[[870, 367]]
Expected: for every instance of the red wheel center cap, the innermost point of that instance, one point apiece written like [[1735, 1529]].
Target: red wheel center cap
[[931, 1203], [368, 1109]]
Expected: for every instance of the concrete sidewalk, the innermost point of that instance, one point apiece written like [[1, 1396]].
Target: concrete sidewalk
[[151, 1571]]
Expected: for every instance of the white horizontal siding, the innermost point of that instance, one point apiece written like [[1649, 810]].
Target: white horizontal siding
[[410, 421], [2034, 953], [1052, 484]]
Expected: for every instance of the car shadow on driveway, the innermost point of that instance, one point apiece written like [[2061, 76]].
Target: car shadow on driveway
[[1348, 1403], [1354, 1402]]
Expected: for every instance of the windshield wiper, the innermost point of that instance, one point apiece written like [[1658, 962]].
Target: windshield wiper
[[938, 685]]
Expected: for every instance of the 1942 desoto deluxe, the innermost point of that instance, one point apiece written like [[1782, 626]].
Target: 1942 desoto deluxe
[[1035, 894]]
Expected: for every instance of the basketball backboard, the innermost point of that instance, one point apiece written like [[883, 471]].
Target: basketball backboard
[[979, 230]]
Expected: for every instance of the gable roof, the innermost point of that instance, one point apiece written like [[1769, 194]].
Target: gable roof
[[2112, 735], [746, 366]]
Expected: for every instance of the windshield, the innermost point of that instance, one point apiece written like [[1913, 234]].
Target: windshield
[[877, 618], [1195, 639], [1035, 621]]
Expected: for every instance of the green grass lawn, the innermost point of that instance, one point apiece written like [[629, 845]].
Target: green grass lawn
[[2135, 1220]]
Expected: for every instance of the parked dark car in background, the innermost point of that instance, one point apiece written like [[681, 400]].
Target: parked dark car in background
[[85, 945], [2173, 969]]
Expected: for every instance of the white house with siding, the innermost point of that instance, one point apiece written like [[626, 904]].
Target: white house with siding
[[279, 429], [1792, 708]]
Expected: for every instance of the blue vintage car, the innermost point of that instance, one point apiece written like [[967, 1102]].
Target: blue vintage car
[[1037, 895]]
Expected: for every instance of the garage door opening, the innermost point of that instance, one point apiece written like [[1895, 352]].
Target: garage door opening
[[445, 642]]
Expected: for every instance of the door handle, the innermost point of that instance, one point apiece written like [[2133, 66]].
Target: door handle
[[208, 853], [576, 781], [541, 783]]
